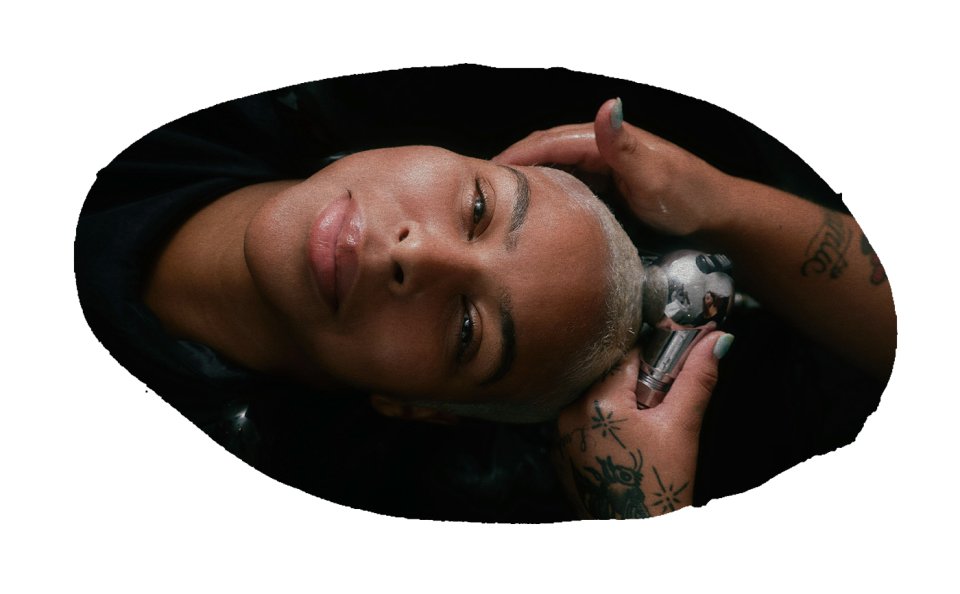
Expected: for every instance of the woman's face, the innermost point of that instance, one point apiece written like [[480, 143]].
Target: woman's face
[[421, 273]]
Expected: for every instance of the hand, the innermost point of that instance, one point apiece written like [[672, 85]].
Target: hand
[[667, 187], [619, 462]]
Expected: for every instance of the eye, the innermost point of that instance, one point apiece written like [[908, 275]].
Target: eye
[[468, 342], [480, 206]]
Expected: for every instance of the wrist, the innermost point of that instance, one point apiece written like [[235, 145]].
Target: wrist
[[724, 198], [720, 194]]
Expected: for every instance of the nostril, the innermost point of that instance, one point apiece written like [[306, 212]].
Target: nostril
[[403, 235], [398, 274]]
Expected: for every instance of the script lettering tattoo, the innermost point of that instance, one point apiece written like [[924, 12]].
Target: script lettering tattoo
[[879, 274], [567, 438], [612, 491], [828, 247]]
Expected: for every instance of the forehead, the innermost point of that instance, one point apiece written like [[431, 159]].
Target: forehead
[[556, 277]]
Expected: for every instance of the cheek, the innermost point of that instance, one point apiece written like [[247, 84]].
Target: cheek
[[392, 348]]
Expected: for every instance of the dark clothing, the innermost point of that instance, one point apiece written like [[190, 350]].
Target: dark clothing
[[787, 401], [140, 198]]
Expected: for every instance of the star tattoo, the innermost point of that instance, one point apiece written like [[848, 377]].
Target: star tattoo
[[606, 424]]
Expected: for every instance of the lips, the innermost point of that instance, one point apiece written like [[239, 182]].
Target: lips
[[332, 247], [347, 249]]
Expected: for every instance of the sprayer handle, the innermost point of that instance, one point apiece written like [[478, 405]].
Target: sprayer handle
[[661, 360]]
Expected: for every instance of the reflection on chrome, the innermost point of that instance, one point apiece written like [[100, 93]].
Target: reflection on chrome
[[698, 291]]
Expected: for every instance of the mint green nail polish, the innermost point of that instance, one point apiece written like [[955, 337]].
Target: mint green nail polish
[[722, 346], [616, 115]]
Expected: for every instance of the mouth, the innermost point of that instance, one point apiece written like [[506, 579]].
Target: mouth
[[332, 247], [347, 252]]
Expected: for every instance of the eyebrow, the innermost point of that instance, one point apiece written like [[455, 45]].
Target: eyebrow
[[508, 344], [520, 206]]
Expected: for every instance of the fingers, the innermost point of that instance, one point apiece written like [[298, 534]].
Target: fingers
[[691, 392], [575, 143], [566, 145], [614, 141]]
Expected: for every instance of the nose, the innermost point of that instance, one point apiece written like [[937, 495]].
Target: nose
[[422, 260]]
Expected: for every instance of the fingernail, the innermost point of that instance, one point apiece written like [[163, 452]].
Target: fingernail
[[616, 115], [722, 346]]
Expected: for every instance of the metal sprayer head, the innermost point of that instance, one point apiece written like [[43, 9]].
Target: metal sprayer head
[[684, 292]]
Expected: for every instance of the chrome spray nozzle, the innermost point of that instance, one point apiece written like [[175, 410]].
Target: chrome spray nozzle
[[685, 292]]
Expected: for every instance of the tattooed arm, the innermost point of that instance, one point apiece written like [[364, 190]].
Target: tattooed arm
[[812, 266]]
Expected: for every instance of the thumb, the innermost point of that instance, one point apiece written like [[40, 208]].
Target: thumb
[[614, 142], [694, 386]]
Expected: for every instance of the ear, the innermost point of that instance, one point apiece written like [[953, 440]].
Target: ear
[[390, 407]]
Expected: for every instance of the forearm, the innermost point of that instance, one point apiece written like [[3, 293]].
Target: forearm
[[810, 265]]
